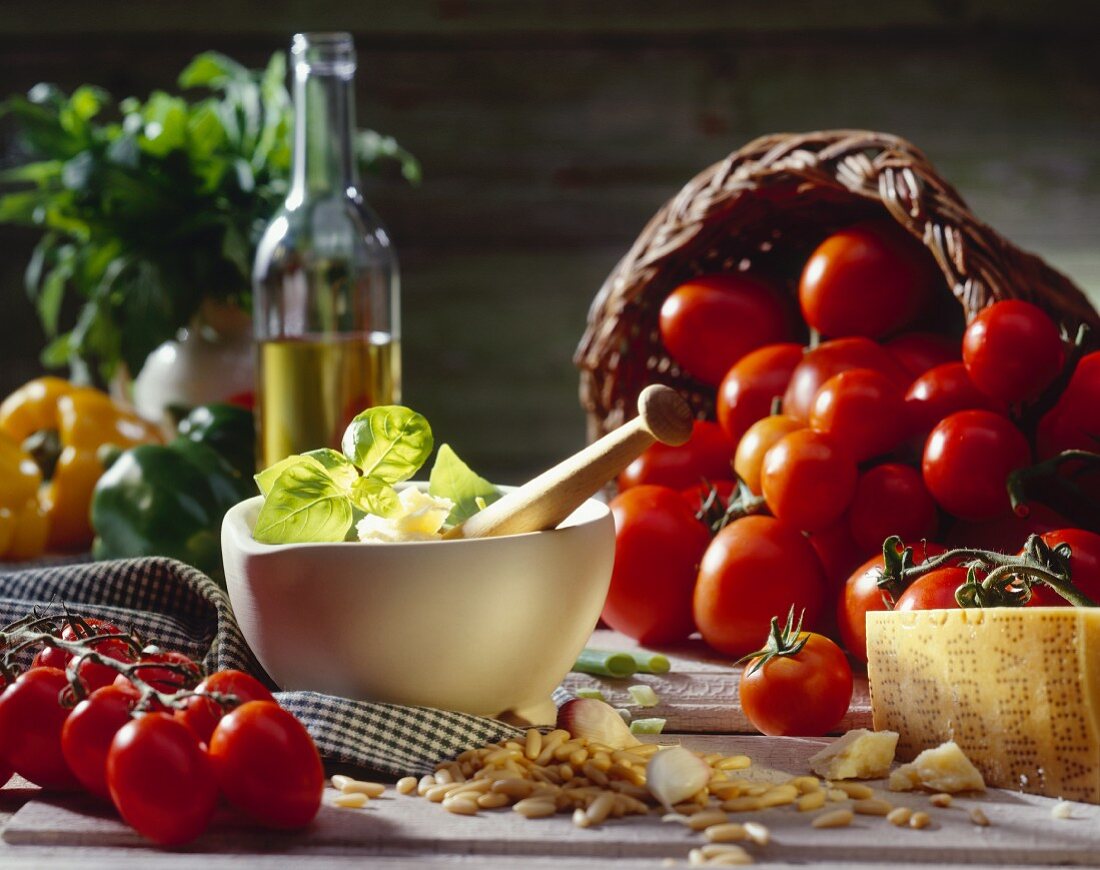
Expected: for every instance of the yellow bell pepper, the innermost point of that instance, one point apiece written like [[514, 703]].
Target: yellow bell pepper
[[22, 521], [84, 420]]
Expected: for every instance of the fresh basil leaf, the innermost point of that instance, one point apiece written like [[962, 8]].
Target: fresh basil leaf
[[336, 464], [454, 479], [265, 480], [305, 505], [389, 442], [374, 496]]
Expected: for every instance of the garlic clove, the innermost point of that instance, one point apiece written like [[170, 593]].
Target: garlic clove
[[596, 721], [675, 774]]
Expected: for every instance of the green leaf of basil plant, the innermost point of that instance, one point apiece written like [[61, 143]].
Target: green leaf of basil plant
[[454, 479], [336, 464], [389, 442], [374, 496], [265, 480], [304, 505]]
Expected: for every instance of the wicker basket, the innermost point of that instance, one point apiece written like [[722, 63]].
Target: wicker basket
[[768, 206]]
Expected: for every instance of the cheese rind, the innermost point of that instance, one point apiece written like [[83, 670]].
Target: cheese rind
[[943, 769], [1018, 689], [859, 754]]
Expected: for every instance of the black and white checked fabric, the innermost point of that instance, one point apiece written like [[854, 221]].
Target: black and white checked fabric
[[177, 607]]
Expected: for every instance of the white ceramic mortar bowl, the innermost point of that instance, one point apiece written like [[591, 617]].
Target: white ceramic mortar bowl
[[487, 626]]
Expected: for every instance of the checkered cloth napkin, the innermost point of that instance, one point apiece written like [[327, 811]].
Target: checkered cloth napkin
[[180, 608]]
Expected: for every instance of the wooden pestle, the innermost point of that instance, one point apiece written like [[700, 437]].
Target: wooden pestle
[[544, 501]]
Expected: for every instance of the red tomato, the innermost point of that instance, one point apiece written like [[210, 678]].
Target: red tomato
[[891, 499], [93, 675], [88, 732], [800, 695], [934, 591], [696, 495], [967, 460], [942, 391], [754, 569], [920, 351], [658, 545], [839, 556], [808, 479], [160, 780], [1084, 567], [831, 358], [861, 409], [862, 595], [762, 435], [1012, 350], [706, 455], [870, 279], [749, 388], [185, 675], [201, 714], [1007, 532], [710, 322], [1074, 422], [267, 765], [31, 719]]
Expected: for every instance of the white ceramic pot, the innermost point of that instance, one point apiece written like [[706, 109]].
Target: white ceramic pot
[[486, 626]]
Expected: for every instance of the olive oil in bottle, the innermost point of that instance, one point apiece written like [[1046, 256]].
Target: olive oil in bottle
[[325, 279]]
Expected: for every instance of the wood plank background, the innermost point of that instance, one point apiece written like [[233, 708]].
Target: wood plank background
[[551, 131]]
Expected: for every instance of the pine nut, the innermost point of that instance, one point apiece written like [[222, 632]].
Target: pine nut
[[443, 777], [426, 782], [532, 744], [501, 756], [725, 833], [535, 808], [940, 800], [758, 833], [580, 818], [813, 800], [713, 850], [729, 856], [688, 809], [599, 809], [726, 790], [744, 804], [646, 749], [755, 789], [595, 775], [493, 800], [920, 819], [696, 858], [370, 789], [675, 817], [872, 807], [339, 781], [733, 762], [779, 796], [464, 807], [406, 785], [627, 757], [834, 819], [517, 788], [436, 793], [836, 794], [806, 784], [512, 744], [706, 818], [899, 816], [601, 760], [353, 801], [978, 817], [562, 752], [855, 790]]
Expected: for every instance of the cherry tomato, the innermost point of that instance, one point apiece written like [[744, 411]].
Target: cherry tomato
[[831, 358], [1084, 567], [658, 546], [920, 351], [201, 714], [967, 460], [185, 675], [869, 279], [160, 780], [942, 391], [891, 499], [749, 388], [800, 695], [31, 719], [755, 568], [808, 479], [706, 455], [1074, 421], [756, 442], [1007, 532], [88, 732], [839, 556], [267, 765], [934, 591], [92, 674], [710, 322], [863, 410], [862, 594], [696, 495], [1012, 350]]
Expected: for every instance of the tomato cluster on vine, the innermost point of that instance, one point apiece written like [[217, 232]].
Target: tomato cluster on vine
[[146, 730], [883, 426]]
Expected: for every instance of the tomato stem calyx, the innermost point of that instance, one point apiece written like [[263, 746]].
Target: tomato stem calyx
[[716, 515], [786, 641]]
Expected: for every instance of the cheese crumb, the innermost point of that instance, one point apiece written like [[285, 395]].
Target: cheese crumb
[[859, 754], [420, 518], [942, 769], [1062, 810]]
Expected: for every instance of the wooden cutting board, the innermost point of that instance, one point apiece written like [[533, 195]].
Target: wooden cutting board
[[699, 694]]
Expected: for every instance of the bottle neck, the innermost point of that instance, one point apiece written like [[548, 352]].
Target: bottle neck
[[324, 124]]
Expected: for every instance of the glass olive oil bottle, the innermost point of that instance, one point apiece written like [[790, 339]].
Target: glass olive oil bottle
[[325, 279]]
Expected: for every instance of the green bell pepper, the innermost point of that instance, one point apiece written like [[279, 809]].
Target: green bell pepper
[[229, 429]]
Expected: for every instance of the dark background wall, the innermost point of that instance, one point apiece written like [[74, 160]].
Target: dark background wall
[[551, 130]]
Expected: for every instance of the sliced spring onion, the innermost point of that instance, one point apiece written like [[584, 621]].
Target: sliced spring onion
[[644, 696], [647, 726], [650, 663], [624, 714], [593, 693], [605, 663]]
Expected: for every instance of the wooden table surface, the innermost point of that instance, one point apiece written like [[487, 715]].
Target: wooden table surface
[[42, 831]]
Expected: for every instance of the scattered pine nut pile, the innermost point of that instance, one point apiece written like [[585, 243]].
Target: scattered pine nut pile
[[544, 775]]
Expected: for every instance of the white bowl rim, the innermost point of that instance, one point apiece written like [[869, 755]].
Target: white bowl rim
[[238, 524]]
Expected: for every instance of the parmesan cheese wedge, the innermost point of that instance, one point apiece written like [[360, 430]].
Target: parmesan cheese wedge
[[859, 754], [1017, 689], [943, 769]]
